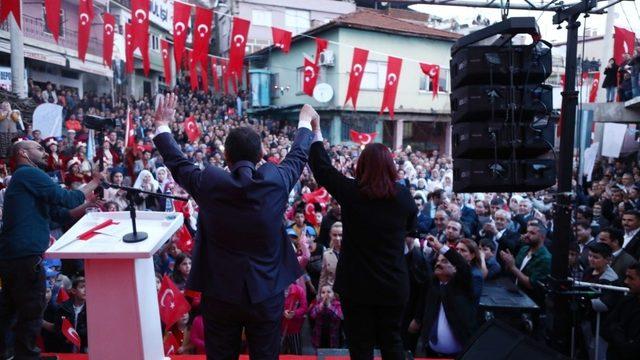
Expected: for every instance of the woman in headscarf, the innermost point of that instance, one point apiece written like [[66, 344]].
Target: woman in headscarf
[[146, 182]]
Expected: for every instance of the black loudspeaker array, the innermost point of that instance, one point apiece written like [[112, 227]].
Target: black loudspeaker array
[[503, 132]]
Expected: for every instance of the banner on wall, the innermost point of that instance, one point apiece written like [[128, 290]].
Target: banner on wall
[[48, 119], [5, 78]]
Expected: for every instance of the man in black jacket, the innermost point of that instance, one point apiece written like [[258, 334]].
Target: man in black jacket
[[621, 329], [75, 311], [419, 274], [448, 317]]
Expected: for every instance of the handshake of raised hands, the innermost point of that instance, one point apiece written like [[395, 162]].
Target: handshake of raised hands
[[310, 119]]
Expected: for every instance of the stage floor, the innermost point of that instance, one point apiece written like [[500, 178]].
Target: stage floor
[[202, 357]]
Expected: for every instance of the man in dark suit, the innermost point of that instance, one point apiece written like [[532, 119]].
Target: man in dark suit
[[449, 291], [631, 225], [621, 260], [243, 259]]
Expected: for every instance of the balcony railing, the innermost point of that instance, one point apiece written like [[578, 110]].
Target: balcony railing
[[34, 28]]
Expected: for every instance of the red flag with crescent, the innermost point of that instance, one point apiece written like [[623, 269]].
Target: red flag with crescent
[[281, 39], [70, 333], [214, 74], [181, 14], [172, 302], [108, 31], [204, 67], [362, 138], [12, 7], [433, 72], [358, 65], [321, 45], [130, 138], [128, 50], [85, 18], [593, 92], [237, 48], [394, 65], [310, 76], [192, 129], [185, 241], [170, 344], [321, 195], [225, 75], [166, 61], [623, 43], [193, 71], [202, 34], [52, 10], [140, 30], [62, 296]]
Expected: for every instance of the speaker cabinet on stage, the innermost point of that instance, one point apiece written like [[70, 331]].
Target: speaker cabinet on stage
[[497, 341], [503, 132], [492, 64]]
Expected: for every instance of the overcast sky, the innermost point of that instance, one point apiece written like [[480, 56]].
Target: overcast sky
[[549, 31]]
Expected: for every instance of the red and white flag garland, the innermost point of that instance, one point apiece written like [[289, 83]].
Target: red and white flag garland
[[10, 7], [281, 39], [237, 48], [52, 11], [593, 92], [362, 138], [85, 18], [166, 61], [433, 72], [214, 74], [108, 31], [181, 14], [128, 48], [394, 65], [310, 76], [140, 30], [358, 65]]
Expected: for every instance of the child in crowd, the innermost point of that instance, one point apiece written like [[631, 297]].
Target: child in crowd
[[488, 247], [75, 311], [327, 315], [181, 271], [295, 306]]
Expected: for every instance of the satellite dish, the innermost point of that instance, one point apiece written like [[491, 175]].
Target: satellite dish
[[323, 92]]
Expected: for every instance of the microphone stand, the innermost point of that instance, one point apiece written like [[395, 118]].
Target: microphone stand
[[136, 236]]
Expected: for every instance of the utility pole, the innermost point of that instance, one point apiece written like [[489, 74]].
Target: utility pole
[[17, 56]]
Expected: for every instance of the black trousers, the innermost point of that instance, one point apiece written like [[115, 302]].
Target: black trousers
[[22, 298], [224, 322], [369, 325]]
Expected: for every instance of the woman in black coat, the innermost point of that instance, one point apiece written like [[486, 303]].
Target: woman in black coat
[[611, 80], [371, 277]]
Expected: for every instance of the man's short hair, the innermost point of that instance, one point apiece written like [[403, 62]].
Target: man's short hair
[[15, 148], [634, 213], [614, 234], [541, 229], [583, 224], [486, 242], [77, 281], [243, 144], [505, 213]]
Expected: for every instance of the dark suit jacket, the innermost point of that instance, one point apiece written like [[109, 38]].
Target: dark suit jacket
[[621, 263], [457, 299], [241, 248], [372, 269], [633, 247]]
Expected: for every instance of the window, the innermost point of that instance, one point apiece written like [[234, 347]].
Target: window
[[297, 21], [299, 79], [426, 84], [155, 43], [374, 76], [46, 26], [261, 17]]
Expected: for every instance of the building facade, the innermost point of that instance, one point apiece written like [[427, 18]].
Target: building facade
[[421, 120]]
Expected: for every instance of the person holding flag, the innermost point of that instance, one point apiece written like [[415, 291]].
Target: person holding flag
[[242, 282]]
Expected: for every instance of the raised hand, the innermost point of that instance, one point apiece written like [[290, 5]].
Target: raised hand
[[307, 116], [165, 110]]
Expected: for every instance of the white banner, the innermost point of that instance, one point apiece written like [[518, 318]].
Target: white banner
[[48, 119], [612, 138]]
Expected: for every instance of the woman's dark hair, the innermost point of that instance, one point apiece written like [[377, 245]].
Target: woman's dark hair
[[473, 249], [243, 143], [376, 173]]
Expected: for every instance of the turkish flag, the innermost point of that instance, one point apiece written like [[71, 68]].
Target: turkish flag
[[319, 196], [182, 207], [310, 75], [52, 10], [321, 45], [281, 39], [62, 296], [214, 74], [202, 33], [192, 129], [237, 48], [225, 75], [358, 64], [362, 138], [12, 7], [310, 216], [433, 72], [166, 61], [193, 71], [623, 42], [140, 30], [593, 92], [181, 14], [170, 344], [85, 18], [394, 65], [172, 302], [128, 48], [185, 241], [70, 333], [130, 133], [204, 70], [107, 38]]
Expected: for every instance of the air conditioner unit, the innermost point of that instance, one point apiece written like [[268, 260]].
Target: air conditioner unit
[[327, 58]]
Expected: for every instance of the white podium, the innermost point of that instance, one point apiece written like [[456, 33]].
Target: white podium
[[122, 303]]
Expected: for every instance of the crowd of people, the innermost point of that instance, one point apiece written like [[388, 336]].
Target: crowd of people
[[462, 240], [622, 81]]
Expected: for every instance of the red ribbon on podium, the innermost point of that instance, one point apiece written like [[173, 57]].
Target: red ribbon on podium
[[93, 231]]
